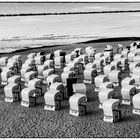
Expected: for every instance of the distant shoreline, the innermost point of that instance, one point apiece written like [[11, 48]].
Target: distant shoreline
[[102, 40], [68, 13]]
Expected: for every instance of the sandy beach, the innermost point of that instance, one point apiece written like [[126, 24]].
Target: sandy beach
[[17, 121]]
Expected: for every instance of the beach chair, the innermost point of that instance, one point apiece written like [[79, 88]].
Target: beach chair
[[125, 53], [111, 110], [124, 64], [90, 66], [105, 85], [59, 62], [66, 75], [74, 64], [108, 48], [47, 73], [108, 68], [25, 70], [5, 75], [120, 48], [49, 63], [18, 59], [40, 70], [69, 58], [104, 95], [89, 75], [36, 83], [105, 60], [117, 57], [91, 55], [3, 61], [127, 81], [117, 64], [14, 79], [39, 60], [99, 64], [29, 76], [98, 55], [84, 59], [52, 79], [127, 93], [49, 56], [115, 77], [53, 100], [133, 66], [87, 49], [12, 91], [57, 53], [131, 56], [31, 55], [77, 104], [28, 97], [78, 51], [98, 80], [136, 104]]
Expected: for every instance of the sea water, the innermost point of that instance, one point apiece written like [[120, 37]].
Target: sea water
[[33, 31]]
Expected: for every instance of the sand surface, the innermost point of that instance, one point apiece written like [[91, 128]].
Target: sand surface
[[18, 121]]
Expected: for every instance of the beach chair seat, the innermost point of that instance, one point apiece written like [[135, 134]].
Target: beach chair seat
[[98, 80], [108, 68], [127, 93], [67, 69], [133, 66], [31, 55], [49, 63], [5, 75], [104, 95], [89, 75], [53, 100], [105, 85], [66, 75], [59, 62], [52, 79], [40, 70], [25, 70], [3, 61], [12, 92], [47, 73], [115, 77], [111, 110], [125, 53], [136, 104], [29, 76], [77, 104], [28, 97]]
